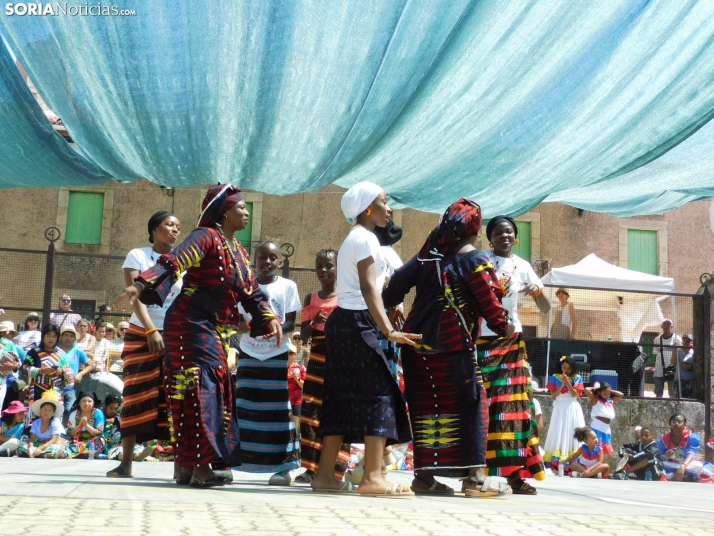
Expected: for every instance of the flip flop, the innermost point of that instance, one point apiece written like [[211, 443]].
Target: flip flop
[[433, 489], [118, 472], [485, 490], [394, 491], [347, 487]]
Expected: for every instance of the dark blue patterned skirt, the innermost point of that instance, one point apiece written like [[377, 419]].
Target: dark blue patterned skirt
[[361, 397]]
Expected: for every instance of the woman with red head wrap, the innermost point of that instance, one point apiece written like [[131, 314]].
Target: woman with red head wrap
[[198, 324], [455, 285]]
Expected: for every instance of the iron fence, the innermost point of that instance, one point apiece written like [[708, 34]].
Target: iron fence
[[606, 330]]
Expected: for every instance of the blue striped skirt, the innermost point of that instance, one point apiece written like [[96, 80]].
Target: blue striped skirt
[[268, 439]]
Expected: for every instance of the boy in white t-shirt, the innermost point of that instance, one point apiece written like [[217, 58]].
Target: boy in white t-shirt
[[269, 442]]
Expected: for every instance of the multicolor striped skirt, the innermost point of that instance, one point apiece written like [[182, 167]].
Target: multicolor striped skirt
[[144, 413], [268, 437], [512, 433], [312, 391], [449, 411]]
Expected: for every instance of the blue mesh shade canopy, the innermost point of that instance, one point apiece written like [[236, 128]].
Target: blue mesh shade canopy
[[508, 103]]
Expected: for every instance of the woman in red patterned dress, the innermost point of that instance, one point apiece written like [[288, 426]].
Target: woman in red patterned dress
[[196, 330], [455, 285]]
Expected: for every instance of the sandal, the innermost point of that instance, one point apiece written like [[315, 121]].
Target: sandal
[[212, 482], [521, 487], [433, 489], [118, 472], [303, 478], [394, 491], [347, 487], [484, 488], [183, 479]]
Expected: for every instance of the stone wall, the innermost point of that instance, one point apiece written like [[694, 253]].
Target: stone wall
[[633, 412]]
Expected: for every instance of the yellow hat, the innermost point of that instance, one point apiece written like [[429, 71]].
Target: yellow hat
[[53, 398]]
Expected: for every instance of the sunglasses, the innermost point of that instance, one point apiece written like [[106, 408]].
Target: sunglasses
[[66, 300]]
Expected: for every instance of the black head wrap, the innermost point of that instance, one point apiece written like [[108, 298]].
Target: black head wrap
[[90, 394], [156, 220], [389, 235], [500, 219]]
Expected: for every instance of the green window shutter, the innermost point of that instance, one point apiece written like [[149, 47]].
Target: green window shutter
[[244, 236], [642, 254], [84, 218], [523, 249]]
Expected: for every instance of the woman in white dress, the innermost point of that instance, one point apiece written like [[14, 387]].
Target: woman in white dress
[[566, 389]]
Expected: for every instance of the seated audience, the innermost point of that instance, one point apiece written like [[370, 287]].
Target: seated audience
[[679, 448], [643, 456], [46, 431], [13, 427], [85, 426], [112, 433], [589, 460]]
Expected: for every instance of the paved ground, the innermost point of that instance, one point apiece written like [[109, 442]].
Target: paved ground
[[72, 497]]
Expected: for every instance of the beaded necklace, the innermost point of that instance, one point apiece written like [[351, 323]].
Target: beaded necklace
[[249, 272], [506, 278]]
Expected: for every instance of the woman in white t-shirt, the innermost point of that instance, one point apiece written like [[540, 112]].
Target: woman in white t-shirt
[[269, 442], [362, 402], [503, 361], [144, 415]]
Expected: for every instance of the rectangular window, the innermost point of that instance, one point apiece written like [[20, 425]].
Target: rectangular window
[[523, 249], [244, 236], [642, 254], [84, 218]]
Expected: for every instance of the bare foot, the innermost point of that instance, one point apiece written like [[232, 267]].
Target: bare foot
[[380, 485], [320, 482]]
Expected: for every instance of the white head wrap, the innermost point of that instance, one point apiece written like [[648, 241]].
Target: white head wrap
[[358, 198]]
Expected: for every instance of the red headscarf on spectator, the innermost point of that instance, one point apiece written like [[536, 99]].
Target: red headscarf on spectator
[[219, 199]]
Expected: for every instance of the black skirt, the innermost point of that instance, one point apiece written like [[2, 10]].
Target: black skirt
[[361, 398]]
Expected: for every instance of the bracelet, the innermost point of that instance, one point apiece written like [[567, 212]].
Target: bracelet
[[390, 333], [536, 294], [150, 331]]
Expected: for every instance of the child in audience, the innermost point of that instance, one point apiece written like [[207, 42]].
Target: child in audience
[[12, 428], [602, 399], [643, 456], [588, 460]]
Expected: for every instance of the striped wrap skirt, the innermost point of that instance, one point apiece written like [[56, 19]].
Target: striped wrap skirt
[[512, 432]]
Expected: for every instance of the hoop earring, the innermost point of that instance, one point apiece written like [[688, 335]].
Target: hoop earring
[[516, 242], [368, 212]]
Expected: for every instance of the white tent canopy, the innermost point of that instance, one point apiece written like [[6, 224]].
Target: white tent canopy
[[635, 311], [592, 271]]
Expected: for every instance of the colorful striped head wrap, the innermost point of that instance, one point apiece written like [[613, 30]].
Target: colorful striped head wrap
[[219, 199], [463, 218]]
